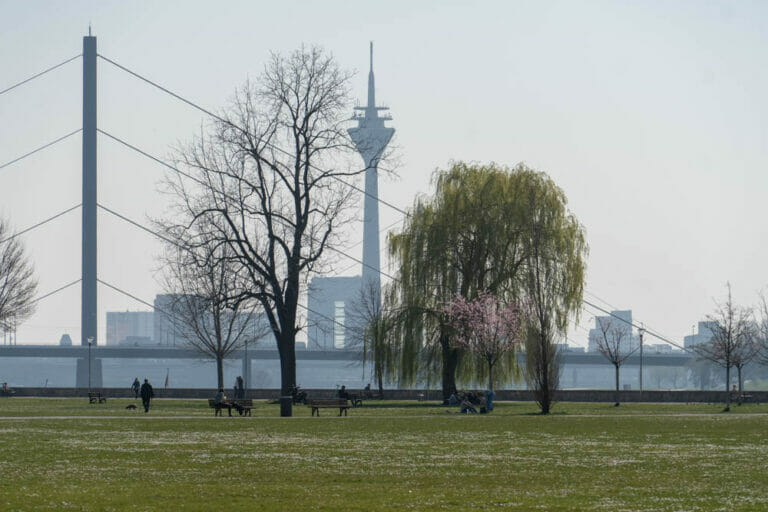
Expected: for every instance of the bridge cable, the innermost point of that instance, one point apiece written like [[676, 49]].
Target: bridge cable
[[140, 226], [150, 231], [632, 324], [175, 169], [22, 157], [40, 74], [49, 219], [267, 144], [38, 299]]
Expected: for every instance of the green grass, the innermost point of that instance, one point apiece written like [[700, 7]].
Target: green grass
[[384, 456]]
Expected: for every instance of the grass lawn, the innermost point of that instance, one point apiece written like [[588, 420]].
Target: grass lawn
[[64, 454]]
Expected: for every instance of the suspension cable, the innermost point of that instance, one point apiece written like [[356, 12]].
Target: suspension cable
[[40, 74], [268, 144], [22, 157], [57, 290], [49, 219]]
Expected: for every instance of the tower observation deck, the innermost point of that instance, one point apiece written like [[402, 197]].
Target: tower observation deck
[[371, 137]]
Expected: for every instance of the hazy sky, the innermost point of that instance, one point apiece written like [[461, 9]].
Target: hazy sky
[[651, 116]]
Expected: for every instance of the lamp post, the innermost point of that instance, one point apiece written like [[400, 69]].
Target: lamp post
[[641, 331], [90, 342]]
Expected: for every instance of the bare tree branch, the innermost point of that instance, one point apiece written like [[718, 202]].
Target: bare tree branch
[[18, 285]]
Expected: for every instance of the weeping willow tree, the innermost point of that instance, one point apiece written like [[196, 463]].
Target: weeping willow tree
[[467, 239], [553, 282], [487, 229]]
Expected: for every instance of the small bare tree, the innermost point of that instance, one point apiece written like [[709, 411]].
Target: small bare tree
[[762, 330], [745, 353], [202, 283], [612, 340], [268, 181], [732, 338], [17, 281], [371, 329]]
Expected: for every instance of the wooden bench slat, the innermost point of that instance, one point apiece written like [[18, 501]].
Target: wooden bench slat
[[94, 397], [328, 403]]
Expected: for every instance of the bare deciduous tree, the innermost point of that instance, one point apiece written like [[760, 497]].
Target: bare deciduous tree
[[371, 329], [17, 282], [732, 335], [267, 181], [612, 340], [762, 330], [202, 310]]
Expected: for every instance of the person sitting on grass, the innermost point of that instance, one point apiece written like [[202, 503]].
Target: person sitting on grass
[[467, 407]]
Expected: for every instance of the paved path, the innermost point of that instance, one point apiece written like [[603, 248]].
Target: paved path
[[220, 418]]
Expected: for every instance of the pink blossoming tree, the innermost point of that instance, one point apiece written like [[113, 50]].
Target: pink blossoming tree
[[486, 328]]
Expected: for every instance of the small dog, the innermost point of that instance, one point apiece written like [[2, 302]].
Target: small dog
[[130, 407]]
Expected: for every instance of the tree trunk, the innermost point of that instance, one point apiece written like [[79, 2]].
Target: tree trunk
[[450, 362], [490, 376], [617, 385], [287, 348], [220, 371], [381, 385], [741, 383], [727, 388], [545, 391]]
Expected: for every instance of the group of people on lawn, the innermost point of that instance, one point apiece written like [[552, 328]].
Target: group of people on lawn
[[468, 401]]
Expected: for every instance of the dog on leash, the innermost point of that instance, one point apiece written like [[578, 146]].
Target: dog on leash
[[130, 407]]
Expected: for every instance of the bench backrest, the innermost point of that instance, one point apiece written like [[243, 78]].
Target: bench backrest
[[336, 402], [248, 402]]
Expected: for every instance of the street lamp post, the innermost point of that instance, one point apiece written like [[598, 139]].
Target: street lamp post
[[247, 367], [641, 331], [90, 342]]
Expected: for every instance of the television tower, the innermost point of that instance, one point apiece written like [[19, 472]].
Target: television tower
[[371, 137]]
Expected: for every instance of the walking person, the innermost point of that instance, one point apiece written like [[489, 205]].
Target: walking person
[[135, 387], [239, 388], [146, 394]]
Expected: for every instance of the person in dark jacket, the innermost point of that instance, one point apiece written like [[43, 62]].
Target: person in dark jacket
[[146, 393], [239, 388], [135, 387]]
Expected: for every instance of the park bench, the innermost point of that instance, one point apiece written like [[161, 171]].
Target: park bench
[[245, 403], [95, 397], [357, 397], [328, 403], [742, 398]]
